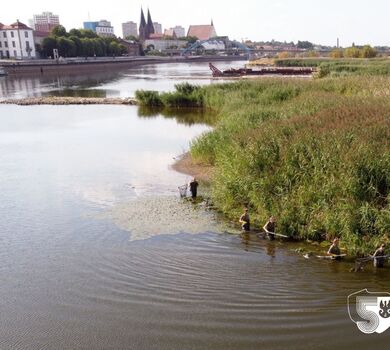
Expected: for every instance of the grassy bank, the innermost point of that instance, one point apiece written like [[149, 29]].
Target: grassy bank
[[341, 67], [315, 153]]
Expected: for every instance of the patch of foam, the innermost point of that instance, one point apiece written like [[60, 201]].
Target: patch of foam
[[148, 217]]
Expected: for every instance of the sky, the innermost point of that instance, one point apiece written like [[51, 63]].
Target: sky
[[322, 22]]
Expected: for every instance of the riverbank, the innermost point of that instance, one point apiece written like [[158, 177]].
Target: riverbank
[[51, 100], [186, 165], [300, 150]]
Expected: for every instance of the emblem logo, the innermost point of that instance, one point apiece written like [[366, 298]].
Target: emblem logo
[[370, 311]]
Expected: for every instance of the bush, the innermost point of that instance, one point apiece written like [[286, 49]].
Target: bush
[[186, 95], [148, 98]]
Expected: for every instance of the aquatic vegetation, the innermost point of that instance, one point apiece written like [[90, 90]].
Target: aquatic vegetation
[[342, 66], [185, 95], [315, 153]]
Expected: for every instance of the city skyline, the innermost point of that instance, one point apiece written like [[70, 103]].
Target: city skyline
[[351, 21]]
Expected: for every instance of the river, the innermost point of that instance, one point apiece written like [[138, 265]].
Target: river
[[97, 250]]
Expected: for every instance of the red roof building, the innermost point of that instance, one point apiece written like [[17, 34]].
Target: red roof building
[[15, 26], [202, 32], [156, 36]]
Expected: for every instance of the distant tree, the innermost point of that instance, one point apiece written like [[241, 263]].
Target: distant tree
[[284, 55], [87, 33], [305, 45], [48, 45], [352, 52], [66, 47], [123, 49], [168, 37], [115, 49], [132, 38], [192, 39], [99, 47], [337, 53], [75, 32], [59, 31], [88, 47], [368, 52], [312, 54], [78, 45]]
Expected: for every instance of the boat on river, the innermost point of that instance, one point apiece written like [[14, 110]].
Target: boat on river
[[242, 72]]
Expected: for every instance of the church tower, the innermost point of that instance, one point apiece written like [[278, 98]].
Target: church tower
[[145, 28], [142, 27], [149, 26]]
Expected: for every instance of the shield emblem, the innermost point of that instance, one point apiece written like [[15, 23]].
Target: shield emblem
[[370, 311]]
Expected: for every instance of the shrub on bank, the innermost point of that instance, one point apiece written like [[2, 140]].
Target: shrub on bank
[[185, 95], [148, 98]]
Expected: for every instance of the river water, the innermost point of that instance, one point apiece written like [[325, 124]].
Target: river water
[[97, 250]]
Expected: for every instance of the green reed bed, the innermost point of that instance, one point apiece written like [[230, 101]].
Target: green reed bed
[[340, 67], [314, 153], [185, 95]]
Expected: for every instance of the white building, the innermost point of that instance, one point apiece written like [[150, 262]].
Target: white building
[[129, 28], [157, 28], [161, 44], [16, 41], [214, 45], [179, 31], [104, 28], [45, 22]]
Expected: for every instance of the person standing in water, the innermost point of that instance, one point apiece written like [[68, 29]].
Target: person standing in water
[[194, 188], [334, 249], [379, 260], [245, 221], [269, 228]]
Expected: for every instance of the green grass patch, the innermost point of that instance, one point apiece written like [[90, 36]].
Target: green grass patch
[[342, 66]]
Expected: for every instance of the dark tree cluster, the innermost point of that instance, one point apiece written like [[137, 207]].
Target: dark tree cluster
[[80, 42]]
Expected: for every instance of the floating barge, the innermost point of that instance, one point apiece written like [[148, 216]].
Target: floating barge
[[242, 72]]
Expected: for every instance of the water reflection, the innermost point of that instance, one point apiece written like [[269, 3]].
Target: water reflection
[[115, 82], [76, 93], [186, 116]]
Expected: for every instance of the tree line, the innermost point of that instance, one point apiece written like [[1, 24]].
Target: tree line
[[355, 52], [80, 42]]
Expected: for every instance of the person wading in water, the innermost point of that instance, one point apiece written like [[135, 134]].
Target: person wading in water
[[378, 256], [245, 221], [194, 188], [334, 249], [269, 228]]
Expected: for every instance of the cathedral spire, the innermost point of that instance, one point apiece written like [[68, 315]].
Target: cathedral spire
[[150, 26], [142, 27]]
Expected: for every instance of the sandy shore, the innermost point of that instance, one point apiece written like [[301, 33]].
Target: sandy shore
[[30, 101], [186, 165]]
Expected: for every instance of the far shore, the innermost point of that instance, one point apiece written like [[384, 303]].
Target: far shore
[[51, 100], [92, 64]]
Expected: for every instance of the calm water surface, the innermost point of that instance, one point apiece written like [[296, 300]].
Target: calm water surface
[[98, 252], [112, 83]]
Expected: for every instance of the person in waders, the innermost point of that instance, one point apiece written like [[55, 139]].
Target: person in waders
[[379, 256], [269, 228], [334, 249], [245, 221], [194, 188]]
